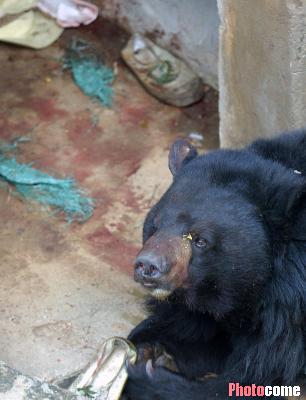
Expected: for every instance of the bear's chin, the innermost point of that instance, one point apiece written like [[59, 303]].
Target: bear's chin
[[160, 294]]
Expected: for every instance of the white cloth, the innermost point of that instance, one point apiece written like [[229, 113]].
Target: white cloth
[[69, 13]]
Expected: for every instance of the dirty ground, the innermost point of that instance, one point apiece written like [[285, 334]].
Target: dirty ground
[[65, 288]]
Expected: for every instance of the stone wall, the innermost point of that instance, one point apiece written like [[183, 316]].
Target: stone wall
[[262, 68], [16, 386]]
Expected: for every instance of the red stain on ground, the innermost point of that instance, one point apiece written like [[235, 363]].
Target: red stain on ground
[[47, 162], [134, 115], [93, 149], [88, 156], [80, 174], [134, 168], [129, 199], [44, 108], [85, 138], [12, 129], [126, 152], [116, 251], [103, 201], [82, 131]]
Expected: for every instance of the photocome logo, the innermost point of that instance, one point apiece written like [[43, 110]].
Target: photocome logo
[[237, 390]]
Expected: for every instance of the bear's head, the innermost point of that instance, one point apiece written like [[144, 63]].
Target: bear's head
[[205, 240]]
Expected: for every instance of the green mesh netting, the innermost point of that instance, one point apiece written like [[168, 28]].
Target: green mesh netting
[[63, 194], [89, 73]]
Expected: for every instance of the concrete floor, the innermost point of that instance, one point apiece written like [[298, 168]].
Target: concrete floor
[[65, 288]]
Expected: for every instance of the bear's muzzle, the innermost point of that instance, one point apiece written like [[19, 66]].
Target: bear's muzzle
[[162, 263]]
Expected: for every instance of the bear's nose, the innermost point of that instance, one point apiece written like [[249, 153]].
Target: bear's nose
[[148, 269]]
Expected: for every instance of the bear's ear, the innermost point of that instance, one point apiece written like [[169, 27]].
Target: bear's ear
[[180, 153]]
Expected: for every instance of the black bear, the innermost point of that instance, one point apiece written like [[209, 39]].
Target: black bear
[[224, 258]]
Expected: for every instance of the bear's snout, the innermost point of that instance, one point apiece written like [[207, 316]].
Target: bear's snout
[[163, 262], [149, 268]]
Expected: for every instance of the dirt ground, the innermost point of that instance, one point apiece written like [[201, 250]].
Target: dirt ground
[[65, 288]]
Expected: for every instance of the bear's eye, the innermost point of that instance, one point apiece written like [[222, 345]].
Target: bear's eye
[[199, 242]]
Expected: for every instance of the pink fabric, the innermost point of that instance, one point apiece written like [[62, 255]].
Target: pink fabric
[[69, 13]]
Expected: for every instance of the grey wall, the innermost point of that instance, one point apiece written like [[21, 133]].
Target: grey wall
[[262, 68], [188, 28]]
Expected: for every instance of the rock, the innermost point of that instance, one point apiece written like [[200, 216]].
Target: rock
[[163, 75], [15, 386]]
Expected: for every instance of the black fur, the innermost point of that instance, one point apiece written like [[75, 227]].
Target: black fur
[[243, 316]]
